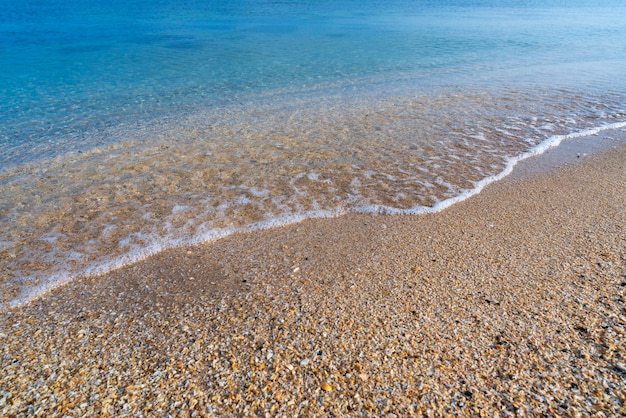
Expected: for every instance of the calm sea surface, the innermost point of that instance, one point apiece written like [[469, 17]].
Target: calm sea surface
[[128, 127]]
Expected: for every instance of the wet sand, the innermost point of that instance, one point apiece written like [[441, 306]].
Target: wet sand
[[512, 302]]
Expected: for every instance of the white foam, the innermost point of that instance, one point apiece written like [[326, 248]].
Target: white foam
[[154, 244], [549, 143], [179, 208], [480, 136], [243, 200], [49, 237], [259, 192]]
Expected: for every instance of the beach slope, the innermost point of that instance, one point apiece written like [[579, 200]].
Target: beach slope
[[512, 301]]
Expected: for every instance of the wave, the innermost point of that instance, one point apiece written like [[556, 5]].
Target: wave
[[158, 244]]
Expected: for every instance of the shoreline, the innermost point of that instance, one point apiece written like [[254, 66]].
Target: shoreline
[[27, 295], [509, 301]]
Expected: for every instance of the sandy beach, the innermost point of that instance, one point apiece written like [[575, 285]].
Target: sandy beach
[[510, 303]]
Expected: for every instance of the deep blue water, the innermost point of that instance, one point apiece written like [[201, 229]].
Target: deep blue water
[[71, 66]]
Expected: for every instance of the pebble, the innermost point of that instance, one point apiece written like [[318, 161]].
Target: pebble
[[548, 343]]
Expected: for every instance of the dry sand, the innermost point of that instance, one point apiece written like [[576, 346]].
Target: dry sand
[[511, 303]]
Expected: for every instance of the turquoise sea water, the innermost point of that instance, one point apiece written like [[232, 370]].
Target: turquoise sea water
[[128, 127]]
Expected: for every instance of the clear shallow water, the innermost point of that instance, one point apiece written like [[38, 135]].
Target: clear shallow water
[[130, 127]]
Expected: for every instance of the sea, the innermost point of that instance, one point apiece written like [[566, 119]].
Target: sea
[[128, 127]]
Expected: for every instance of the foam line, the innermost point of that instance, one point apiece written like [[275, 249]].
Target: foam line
[[511, 162], [160, 244]]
